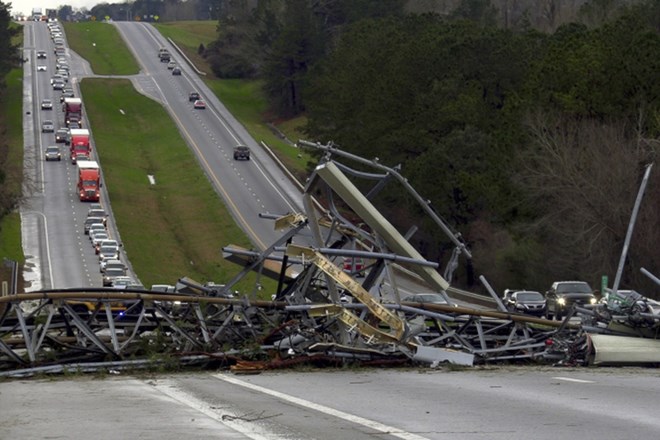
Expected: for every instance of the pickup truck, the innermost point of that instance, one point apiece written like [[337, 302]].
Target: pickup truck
[[564, 294]]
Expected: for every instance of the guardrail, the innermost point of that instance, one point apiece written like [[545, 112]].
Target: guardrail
[[190, 63]]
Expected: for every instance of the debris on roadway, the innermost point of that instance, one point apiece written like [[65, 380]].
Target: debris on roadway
[[324, 311]]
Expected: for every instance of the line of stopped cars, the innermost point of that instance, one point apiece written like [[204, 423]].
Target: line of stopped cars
[[556, 302], [113, 270]]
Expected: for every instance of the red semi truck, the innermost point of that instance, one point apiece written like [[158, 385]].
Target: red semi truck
[[79, 140], [72, 108], [89, 181]]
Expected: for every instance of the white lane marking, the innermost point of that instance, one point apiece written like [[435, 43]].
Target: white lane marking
[[570, 379], [377, 426], [227, 418]]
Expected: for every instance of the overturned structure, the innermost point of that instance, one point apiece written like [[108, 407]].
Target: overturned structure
[[346, 285]]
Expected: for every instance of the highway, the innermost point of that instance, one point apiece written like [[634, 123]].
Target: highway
[[58, 252], [494, 403], [247, 187]]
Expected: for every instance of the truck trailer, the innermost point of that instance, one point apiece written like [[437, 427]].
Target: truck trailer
[[72, 108], [79, 140], [89, 181]]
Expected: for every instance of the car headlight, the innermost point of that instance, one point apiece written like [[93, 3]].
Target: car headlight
[[561, 301], [593, 300]]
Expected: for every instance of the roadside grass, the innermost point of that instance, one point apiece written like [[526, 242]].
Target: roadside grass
[[12, 109], [176, 227], [188, 35], [102, 46]]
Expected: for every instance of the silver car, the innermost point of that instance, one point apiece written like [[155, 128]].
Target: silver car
[[53, 153], [47, 127]]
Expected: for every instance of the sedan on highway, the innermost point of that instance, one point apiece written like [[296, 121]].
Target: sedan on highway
[[46, 104], [53, 153], [97, 237], [199, 104], [47, 127], [114, 274], [62, 136], [425, 298], [98, 212], [524, 301], [176, 71], [41, 68], [90, 221]]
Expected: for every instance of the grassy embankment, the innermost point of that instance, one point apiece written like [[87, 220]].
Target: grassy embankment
[[243, 98], [177, 226], [11, 108], [101, 45]]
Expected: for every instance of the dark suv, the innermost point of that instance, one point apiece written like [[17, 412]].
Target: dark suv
[[241, 152], [563, 294]]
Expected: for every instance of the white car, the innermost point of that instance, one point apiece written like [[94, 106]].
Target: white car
[[42, 68], [107, 264]]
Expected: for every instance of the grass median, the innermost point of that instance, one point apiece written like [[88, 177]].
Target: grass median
[[177, 226], [102, 46]]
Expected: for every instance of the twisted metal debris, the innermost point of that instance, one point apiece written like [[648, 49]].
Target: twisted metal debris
[[324, 310]]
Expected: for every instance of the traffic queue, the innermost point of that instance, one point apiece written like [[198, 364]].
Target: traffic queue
[[88, 173]]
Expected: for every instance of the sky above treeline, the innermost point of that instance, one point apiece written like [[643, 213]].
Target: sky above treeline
[[25, 7]]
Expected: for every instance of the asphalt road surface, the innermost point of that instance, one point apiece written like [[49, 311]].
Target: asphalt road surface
[[508, 403]]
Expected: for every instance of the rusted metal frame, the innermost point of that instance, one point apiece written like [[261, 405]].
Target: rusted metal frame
[[224, 325], [26, 333], [178, 330], [136, 328], [344, 221], [241, 311], [202, 322], [425, 204], [45, 328], [84, 329], [111, 327], [259, 261], [11, 354], [480, 333], [492, 293], [512, 348]]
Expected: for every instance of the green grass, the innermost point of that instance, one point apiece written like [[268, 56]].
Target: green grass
[[188, 35], [11, 108], [101, 45], [176, 227]]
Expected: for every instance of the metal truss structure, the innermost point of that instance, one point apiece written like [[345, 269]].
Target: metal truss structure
[[327, 308]]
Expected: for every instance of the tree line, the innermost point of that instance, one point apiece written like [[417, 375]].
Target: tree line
[[531, 144], [10, 58]]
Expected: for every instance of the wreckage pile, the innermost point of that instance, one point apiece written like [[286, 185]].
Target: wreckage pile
[[320, 312]]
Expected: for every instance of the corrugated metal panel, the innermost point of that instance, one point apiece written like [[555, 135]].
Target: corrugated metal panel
[[624, 350]]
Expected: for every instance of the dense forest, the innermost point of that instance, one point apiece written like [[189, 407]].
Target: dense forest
[[532, 144]]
